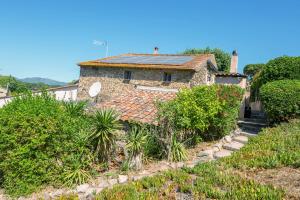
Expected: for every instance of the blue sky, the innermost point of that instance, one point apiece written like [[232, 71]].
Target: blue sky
[[47, 38]]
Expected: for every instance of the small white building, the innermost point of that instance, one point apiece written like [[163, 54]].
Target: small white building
[[3, 92], [233, 77]]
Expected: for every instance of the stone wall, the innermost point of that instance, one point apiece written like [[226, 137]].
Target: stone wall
[[112, 80]]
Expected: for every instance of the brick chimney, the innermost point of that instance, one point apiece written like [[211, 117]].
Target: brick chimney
[[155, 50], [234, 62]]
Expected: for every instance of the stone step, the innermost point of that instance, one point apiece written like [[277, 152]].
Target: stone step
[[233, 146], [248, 134], [223, 153], [241, 139], [257, 120], [252, 129], [251, 123]]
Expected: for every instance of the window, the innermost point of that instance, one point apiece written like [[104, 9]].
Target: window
[[127, 75], [167, 77], [208, 77]]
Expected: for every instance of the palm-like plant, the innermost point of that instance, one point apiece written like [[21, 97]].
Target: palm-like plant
[[178, 151], [136, 140], [75, 108], [105, 123]]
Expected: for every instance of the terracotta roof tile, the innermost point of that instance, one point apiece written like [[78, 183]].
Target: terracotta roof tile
[[137, 105]]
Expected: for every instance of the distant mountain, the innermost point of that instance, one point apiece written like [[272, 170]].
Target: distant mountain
[[46, 81]]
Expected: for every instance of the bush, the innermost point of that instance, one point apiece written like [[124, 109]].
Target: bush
[[39, 144], [280, 68], [208, 111], [281, 99]]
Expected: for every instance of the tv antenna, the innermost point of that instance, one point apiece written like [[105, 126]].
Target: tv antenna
[[102, 43]]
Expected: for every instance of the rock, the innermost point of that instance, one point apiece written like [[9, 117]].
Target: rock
[[82, 188], [163, 167], [122, 178], [112, 181], [90, 193], [103, 183], [56, 193], [180, 164], [141, 176], [190, 164], [218, 145], [222, 153], [228, 138], [215, 149], [46, 196], [207, 153], [233, 146], [241, 139]]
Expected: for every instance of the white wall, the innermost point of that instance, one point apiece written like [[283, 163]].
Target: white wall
[[67, 93], [231, 80]]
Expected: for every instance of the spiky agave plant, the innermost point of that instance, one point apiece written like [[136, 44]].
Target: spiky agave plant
[[75, 108], [136, 140], [105, 123], [178, 151]]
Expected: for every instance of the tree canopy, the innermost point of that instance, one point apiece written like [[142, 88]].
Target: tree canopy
[[222, 57], [280, 68], [251, 69]]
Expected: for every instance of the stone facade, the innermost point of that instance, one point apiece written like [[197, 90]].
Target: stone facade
[[113, 83]]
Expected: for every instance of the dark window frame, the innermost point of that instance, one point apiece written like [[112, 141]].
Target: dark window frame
[[127, 75], [167, 77]]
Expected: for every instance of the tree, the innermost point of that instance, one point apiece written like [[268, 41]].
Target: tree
[[222, 57], [280, 68], [251, 69]]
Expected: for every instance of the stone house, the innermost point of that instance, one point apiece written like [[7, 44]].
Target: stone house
[[128, 72], [131, 83]]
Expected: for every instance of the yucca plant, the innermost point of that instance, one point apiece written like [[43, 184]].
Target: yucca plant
[[178, 151], [105, 123], [75, 108], [136, 140]]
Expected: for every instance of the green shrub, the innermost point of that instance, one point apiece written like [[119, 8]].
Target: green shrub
[[225, 121], [208, 111], [39, 142], [281, 99], [280, 68]]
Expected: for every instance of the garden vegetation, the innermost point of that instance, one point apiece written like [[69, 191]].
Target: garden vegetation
[[197, 114], [46, 142], [273, 148]]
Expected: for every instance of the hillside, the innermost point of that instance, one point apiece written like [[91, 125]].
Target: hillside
[[17, 86], [46, 81]]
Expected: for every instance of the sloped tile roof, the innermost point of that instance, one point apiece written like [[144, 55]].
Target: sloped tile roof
[[193, 62], [137, 105]]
